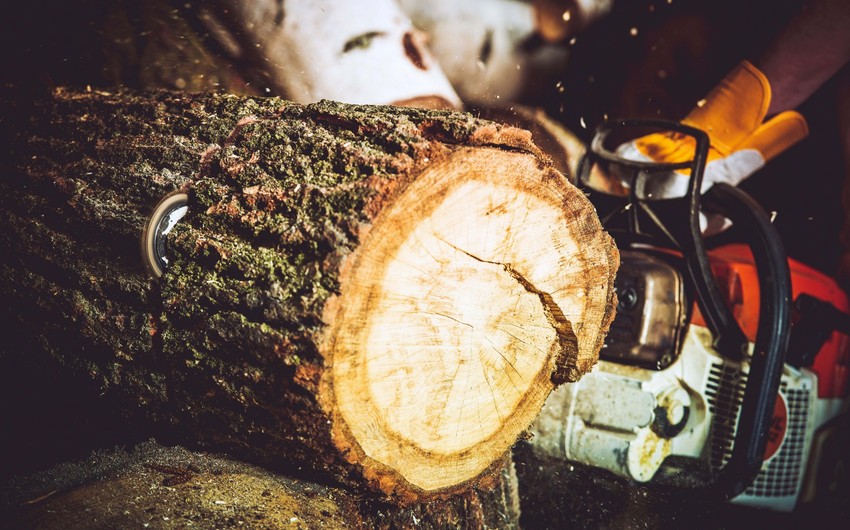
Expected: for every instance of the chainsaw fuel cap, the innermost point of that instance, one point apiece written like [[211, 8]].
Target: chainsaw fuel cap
[[167, 213]]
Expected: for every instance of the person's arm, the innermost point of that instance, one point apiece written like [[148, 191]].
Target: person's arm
[[811, 48]]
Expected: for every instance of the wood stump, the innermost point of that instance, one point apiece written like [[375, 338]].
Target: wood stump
[[358, 294]]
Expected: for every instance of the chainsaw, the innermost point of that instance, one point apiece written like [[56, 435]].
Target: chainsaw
[[726, 366]]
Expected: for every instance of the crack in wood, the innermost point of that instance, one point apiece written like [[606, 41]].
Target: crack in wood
[[461, 322], [553, 312], [567, 340]]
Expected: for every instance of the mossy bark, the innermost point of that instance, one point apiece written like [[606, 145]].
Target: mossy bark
[[224, 351]]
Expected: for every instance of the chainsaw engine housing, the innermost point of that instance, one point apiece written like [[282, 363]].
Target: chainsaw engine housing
[[652, 423], [718, 387]]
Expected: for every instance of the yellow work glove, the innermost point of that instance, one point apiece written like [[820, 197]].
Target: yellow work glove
[[741, 141]]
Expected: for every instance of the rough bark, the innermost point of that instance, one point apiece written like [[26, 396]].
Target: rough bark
[[251, 340], [562, 146]]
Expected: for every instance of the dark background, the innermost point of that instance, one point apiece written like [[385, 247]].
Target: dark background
[[679, 53]]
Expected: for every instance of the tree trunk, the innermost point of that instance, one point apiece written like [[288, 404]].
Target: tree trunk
[[358, 52], [366, 294]]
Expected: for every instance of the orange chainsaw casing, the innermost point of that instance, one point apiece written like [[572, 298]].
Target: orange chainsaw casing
[[735, 270]]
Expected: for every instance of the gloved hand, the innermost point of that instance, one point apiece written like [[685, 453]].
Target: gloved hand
[[741, 142]]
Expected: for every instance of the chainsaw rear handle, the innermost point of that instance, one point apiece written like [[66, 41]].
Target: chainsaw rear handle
[[660, 226], [772, 336]]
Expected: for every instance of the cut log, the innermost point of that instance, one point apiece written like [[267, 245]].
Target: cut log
[[154, 44], [357, 52], [561, 145], [356, 292], [481, 45], [305, 50]]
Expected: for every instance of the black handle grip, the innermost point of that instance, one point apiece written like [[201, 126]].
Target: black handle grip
[[672, 222], [772, 336]]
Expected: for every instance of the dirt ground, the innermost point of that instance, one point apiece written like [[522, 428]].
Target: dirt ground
[[151, 486]]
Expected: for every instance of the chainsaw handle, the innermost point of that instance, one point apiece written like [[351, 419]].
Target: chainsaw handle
[[633, 219], [729, 339], [772, 336]]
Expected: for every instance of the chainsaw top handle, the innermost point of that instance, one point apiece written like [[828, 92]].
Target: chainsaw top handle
[[632, 219], [667, 223]]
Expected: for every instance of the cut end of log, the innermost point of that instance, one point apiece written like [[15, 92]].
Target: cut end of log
[[486, 283]]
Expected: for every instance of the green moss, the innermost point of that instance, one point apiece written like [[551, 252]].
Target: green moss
[[277, 203]]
